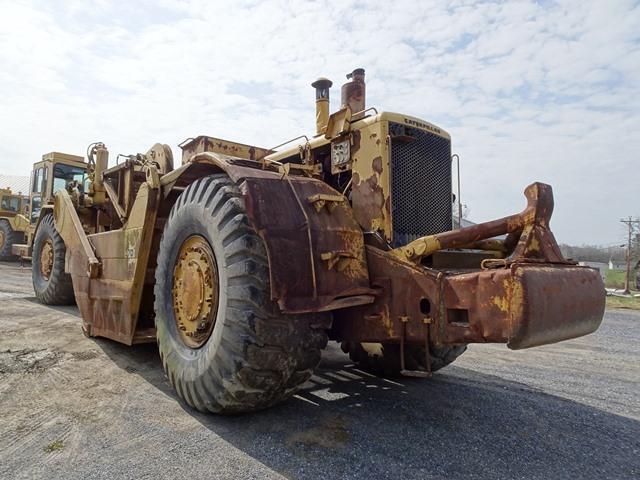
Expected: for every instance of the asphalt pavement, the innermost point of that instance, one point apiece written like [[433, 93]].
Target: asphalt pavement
[[78, 408]]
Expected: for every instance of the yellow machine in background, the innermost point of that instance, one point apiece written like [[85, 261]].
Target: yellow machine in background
[[13, 220], [56, 171]]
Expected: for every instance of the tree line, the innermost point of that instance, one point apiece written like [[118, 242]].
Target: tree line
[[599, 253]]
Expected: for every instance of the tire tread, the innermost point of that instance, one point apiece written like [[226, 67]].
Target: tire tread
[[58, 290], [263, 355]]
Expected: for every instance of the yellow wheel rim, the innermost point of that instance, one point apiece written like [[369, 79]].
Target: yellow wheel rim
[[46, 259], [195, 291]]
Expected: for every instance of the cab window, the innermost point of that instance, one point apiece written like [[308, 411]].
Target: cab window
[[38, 180], [11, 204], [63, 174], [36, 206]]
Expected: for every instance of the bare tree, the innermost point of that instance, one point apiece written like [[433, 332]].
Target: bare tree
[[594, 253]]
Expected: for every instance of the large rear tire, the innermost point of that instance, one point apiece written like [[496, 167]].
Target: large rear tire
[[224, 344], [384, 359], [7, 239], [51, 284]]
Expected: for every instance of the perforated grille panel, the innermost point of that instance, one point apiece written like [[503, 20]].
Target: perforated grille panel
[[420, 183]]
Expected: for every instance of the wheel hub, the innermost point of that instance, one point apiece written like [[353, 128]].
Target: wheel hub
[[1, 239], [195, 291], [46, 259]]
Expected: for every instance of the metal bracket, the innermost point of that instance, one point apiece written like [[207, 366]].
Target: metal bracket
[[426, 321], [340, 260], [529, 234], [306, 170], [339, 123], [320, 200], [403, 332], [113, 196], [152, 176]]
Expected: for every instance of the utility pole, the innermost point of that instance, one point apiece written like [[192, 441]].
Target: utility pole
[[627, 279]]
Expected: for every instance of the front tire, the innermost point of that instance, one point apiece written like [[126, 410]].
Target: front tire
[[224, 344], [52, 285], [7, 239]]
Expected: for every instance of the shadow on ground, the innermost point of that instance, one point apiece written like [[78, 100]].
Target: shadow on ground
[[459, 424], [66, 309]]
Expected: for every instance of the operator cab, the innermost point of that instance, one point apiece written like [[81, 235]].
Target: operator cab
[[55, 172], [12, 203]]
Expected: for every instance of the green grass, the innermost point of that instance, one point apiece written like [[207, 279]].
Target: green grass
[[632, 303], [615, 278]]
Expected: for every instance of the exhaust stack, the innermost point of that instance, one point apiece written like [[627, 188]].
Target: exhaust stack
[[322, 86], [353, 93]]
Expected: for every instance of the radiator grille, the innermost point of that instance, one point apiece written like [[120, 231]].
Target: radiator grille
[[420, 183]]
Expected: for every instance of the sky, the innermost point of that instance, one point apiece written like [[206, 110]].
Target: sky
[[529, 91]]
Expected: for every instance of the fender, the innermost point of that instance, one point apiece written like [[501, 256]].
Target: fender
[[314, 245], [43, 211], [25, 250], [19, 222]]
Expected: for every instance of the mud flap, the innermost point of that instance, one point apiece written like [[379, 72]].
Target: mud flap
[[315, 250]]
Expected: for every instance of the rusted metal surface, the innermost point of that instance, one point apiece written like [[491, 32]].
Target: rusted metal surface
[[523, 305], [370, 188], [313, 204], [370, 185], [317, 262], [207, 163], [316, 258], [399, 289], [110, 304], [530, 228], [316, 255], [534, 297], [354, 93], [204, 143]]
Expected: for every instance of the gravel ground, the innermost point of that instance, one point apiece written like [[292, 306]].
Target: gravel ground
[[72, 407]]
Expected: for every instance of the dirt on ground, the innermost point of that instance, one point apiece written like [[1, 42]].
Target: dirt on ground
[[78, 408]]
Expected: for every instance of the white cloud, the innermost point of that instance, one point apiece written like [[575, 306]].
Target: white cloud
[[529, 90]]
